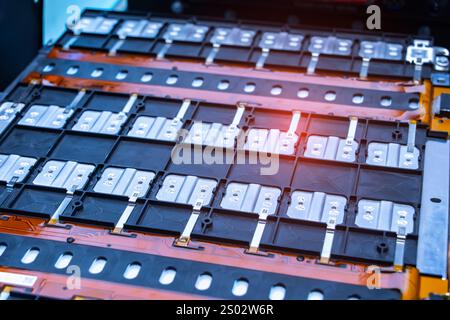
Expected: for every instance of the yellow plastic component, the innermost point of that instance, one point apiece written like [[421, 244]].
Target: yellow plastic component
[[438, 123], [430, 285]]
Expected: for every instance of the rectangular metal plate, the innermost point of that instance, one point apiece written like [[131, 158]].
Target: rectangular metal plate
[[330, 148], [380, 50], [330, 45], [385, 216], [392, 155], [158, 128], [46, 117], [317, 206], [8, 111], [96, 25], [212, 134], [233, 37], [105, 122], [432, 250], [281, 41], [14, 166], [64, 174], [186, 32], [250, 198], [271, 141], [186, 189], [124, 182], [139, 29]]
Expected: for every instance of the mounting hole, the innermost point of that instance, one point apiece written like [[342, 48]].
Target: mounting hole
[[172, 79], [413, 103], [330, 96], [276, 90], [435, 200], [223, 85], [250, 87], [303, 93], [197, 82], [382, 247], [147, 77], [386, 101], [358, 98]]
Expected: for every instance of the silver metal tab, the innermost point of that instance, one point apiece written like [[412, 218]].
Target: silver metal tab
[[419, 53], [96, 25], [233, 37], [105, 122], [74, 103], [185, 236], [46, 116], [159, 128], [392, 155], [63, 205], [411, 136], [124, 182], [64, 174], [14, 168], [351, 131], [212, 54], [70, 42], [8, 111], [186, 189], [387, 216], [259, 230], [432, 248], [262, 58]]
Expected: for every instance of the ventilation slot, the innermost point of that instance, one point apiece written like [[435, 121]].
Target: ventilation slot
[[97, 266], [203, 282], [30, 256], [277, 292], [63, 260], [167, 276]]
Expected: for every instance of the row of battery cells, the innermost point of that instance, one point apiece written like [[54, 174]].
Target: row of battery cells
[[191, 190], [240, 37], [213, 134]]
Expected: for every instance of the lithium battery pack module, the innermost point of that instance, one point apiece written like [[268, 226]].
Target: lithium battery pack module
[[178, 158]]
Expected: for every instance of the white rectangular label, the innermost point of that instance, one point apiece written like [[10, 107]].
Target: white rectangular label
[[17, 279]]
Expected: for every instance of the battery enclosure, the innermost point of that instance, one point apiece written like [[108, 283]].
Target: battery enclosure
[[114, 119]]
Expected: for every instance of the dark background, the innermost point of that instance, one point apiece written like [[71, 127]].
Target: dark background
[[21, 20]]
